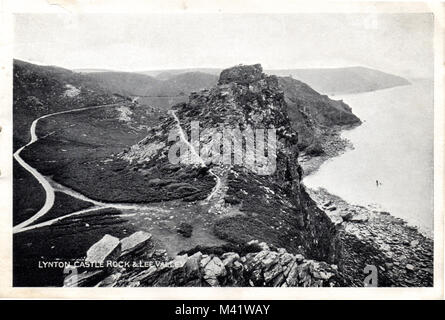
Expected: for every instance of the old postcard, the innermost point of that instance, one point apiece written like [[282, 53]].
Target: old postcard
[[222, 148]]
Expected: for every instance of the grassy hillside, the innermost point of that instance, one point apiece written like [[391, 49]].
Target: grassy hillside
[[37, 91]]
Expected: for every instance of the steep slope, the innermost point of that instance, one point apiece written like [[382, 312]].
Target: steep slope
[[40, 90], [312, 114]]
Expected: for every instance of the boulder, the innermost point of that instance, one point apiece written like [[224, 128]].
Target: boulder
[[229, 258], [292, 275], [273, 273], [213, 270], [135, 242], [192, 266], [107, 248], [270, 260]]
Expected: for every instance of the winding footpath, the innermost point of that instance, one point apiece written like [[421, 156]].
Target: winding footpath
[[51, 186], [196, 157], [49, 190]]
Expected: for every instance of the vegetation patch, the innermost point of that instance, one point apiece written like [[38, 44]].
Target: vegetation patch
[[28, 195]]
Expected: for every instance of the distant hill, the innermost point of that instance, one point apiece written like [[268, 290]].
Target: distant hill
[[125, 82], [189, 81], [325, 80], [344, 80], [136, 84], [91, 70], [168, 73]]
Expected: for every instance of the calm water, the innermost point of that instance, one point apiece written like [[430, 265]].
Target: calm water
[[393, 145]]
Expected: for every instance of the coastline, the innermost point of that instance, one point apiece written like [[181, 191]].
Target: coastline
[[333, 146], [401, 253]]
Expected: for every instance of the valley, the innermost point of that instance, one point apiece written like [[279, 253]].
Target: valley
[[102, 168]]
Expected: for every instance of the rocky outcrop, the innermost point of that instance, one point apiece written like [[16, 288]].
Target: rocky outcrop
[[315, 116], [107, 248], [241, 74], [135, 242], [264, 266]]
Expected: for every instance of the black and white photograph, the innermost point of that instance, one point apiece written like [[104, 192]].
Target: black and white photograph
[[223, 149]]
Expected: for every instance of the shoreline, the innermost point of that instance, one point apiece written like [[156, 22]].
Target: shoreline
[[401, 253], [333, 146]]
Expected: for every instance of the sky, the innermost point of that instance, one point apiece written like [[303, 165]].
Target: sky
[[397, 43]]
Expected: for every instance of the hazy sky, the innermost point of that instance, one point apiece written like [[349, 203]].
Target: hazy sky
[[396, 43]]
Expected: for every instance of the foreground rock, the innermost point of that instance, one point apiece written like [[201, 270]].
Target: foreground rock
[[264, 266], [136, 241], [106, 249], [402, 255]]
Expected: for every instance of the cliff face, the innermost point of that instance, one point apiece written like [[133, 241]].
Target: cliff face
[[312, 114]]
